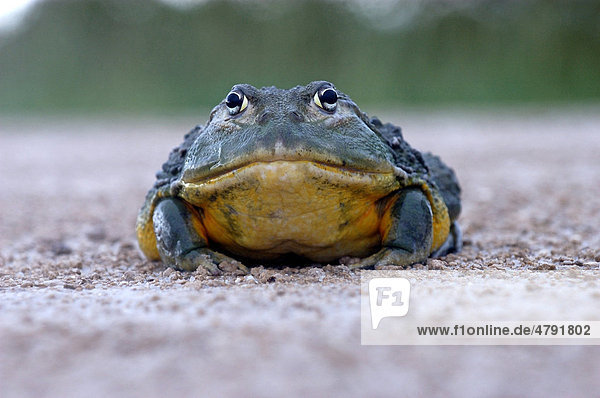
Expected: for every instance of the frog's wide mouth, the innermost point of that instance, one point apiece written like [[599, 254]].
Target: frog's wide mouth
[[208, 171], [285, 176], [214, 174]]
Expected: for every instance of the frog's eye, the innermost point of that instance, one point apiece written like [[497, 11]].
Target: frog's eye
[[236, 102], [326, 99]]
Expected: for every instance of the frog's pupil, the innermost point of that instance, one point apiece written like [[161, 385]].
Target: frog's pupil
[[233, 100], [329, 96]]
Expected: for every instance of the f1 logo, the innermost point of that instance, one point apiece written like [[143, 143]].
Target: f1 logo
[[388, 297]]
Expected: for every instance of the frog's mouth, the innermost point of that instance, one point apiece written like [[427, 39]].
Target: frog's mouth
[[333, 168], [353, 171], [211, 162], [263, 180]]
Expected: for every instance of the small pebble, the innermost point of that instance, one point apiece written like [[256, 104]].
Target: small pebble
[[96, 234], [435, 264], [60, 249]]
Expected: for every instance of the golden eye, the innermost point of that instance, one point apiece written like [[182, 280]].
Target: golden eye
[[236, 102], [326, 99]]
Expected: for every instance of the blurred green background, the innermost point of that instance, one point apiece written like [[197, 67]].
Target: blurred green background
[[150, 56]]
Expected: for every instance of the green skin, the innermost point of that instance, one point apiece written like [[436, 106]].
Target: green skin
[[288, 125]]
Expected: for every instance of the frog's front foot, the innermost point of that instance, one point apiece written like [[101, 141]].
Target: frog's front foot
[[389, 256], [213, 262], [182, 244]]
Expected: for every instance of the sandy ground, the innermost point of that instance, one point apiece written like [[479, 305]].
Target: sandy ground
[[83, 314]]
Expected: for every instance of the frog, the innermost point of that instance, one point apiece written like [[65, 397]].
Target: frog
[[298, 173]]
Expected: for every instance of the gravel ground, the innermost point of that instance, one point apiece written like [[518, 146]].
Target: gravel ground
[[83, 314]]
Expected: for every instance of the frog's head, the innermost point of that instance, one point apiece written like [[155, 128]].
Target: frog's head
[[315, 123]]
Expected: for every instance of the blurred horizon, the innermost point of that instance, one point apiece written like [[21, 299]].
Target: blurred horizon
[[141, 56]]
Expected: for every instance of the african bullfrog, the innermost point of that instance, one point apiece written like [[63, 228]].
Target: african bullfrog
[[299, 172]]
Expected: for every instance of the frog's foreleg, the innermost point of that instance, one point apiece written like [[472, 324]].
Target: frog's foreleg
[[407, 232], [181, 239]]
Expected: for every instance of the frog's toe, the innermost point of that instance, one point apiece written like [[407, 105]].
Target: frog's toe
[[367, 262], [213, 262], [387, 257], [196, 259], [227, 264]]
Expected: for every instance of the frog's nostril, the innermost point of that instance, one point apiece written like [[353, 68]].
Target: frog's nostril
[[295, 116], [264, 117]]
